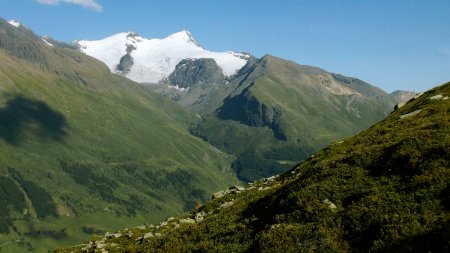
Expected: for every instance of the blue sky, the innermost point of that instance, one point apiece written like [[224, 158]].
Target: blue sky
[[391, 44]]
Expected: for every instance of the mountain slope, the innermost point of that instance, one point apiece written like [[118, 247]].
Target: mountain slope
[[383, 190], [82, 150], [269, 113], [401, 96], [276, 113], [152, 60]]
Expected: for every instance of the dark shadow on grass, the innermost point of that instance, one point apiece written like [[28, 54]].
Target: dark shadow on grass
[[21, 114]]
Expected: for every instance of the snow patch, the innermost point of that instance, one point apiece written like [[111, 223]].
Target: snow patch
[[108, 50], [44, 39], [14, 23], [156, 59]]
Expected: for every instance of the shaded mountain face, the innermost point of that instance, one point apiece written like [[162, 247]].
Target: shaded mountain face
[[84, 151], [191, 72], [383, 190]]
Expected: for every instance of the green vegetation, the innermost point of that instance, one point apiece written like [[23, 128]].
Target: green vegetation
[[11, 199], [19, 112], [277, 106], [86, 175], [41, 200], [383, 190], [252, 165], [90, 151]]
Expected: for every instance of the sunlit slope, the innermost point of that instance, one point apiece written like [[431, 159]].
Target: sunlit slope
[[276, 113], [86, 151], [383, 190]]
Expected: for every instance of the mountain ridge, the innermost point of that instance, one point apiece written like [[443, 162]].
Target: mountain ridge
[[286, 111], [60, 108], [81, 146], [241, 109]]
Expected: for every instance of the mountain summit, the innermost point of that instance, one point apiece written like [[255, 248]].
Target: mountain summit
[[152, 60]]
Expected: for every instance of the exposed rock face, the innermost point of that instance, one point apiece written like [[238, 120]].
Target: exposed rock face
[[126, 62], [248, 110], [190, 72], [363, 88]]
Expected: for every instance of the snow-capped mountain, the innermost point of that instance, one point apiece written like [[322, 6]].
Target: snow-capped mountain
[[153, 60]]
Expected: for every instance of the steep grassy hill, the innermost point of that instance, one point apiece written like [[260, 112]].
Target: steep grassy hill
[[83, 151], [276, 113], [384, 190]]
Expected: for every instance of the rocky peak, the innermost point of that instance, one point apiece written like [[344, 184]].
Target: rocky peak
[[132, 34], [190, 72]]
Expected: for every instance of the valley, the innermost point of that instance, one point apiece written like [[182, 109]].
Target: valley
[[383, 190], [222, 151], [270, 114], [80, 148]]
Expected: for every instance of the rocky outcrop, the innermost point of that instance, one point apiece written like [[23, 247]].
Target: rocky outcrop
[[248, 110], [232, 190], [126, 62], [191, 72], [407, 115]]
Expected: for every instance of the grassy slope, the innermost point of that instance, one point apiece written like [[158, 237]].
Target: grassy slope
[[311, 115], [103, 151], [383, 190]]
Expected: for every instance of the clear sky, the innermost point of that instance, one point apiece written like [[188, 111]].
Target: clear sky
[[393, 44]]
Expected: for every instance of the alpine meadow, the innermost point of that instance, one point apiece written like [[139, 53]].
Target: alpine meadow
[[205, 126]]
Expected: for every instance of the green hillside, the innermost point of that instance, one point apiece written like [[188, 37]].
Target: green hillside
[[384, 190], [84, 151], [276, 113]]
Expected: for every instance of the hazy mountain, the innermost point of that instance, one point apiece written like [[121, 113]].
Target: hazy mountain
[[383, 190], [83, 150], [401, 96]]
